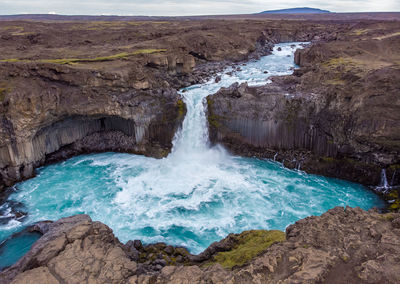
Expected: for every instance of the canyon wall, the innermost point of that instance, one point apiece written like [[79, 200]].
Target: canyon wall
[[338, 115], [56, 112], [71, 88]]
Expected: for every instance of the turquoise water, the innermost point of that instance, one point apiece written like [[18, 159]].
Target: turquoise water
[[195, 196], [13, 248]]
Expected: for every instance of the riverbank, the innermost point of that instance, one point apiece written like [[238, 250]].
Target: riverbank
[[363, 246]]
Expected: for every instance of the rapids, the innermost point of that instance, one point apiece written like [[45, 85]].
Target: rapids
[[195, 196]]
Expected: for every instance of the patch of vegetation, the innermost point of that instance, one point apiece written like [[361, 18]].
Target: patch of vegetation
[[181, 107], [3, 92], [336, 81], [395, 206], [388, 217], [4, 89], [16, 30], [7, 28], [123, 55], [328, 159], [249, 245], [360, 32], [213, 120], [388, 144], [394, 167], [393, 195], [345, 63]]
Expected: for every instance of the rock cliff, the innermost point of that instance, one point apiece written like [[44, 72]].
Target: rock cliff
[[338, 115], [55, 111]]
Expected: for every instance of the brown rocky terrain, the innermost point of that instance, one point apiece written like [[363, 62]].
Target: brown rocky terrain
[[73, 87], [344, 245], [338, 115]]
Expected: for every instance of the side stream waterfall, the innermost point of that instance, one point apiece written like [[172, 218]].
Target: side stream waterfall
[[195, 196]]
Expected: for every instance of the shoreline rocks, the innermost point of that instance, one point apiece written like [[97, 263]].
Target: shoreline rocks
[[364, 245]]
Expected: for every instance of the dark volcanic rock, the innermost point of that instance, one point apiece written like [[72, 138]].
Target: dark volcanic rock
[[339, 115]]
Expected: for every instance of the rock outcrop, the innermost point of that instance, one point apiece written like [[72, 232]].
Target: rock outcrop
[[55, 111], [338, 115], [344, 245]]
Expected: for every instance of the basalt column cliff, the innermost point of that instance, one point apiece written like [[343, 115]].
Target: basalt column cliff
[[338, 115]]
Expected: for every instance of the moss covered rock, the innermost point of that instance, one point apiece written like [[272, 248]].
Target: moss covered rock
[[249, 244]]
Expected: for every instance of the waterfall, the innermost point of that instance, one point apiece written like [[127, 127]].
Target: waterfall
[[393, 176], [384, 185], [195, 196], [384, 182]]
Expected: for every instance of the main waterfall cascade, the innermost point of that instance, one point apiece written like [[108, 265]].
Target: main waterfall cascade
[[195, 196]]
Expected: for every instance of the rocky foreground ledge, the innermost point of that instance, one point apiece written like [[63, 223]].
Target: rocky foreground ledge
[[344, 245]]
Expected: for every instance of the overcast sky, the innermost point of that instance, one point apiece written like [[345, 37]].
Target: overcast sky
[[186, 7]]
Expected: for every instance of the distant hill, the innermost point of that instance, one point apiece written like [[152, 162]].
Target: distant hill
[[304, 10]]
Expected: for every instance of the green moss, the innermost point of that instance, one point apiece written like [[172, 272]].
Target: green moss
[[388, 217], [394, 167], [209, 103], [213, 120], [339, 61], [7, 28], [336, 81], [123, 55], [393, 195], [249, 245], [360, 32], [328, 159], [3, 92], [395, 206], [181, 107]]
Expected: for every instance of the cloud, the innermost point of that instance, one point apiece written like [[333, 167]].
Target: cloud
[[187, 7]]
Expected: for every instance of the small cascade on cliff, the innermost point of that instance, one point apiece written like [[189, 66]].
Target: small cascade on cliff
[[198, 194], [393, 177], [384, 184]]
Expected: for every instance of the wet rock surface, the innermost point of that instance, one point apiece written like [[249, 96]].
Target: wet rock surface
[[344, 245]]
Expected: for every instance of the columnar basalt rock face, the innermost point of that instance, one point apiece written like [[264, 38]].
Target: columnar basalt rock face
[[344, 245], [56, 108], [338, 115]]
